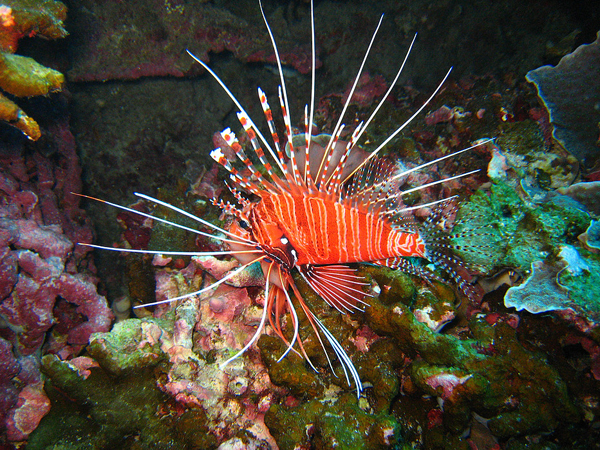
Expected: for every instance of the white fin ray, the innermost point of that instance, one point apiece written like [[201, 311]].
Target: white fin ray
[[239, 106], [362, 65], [295, 321], [401, 127], [313, 71], [260, 326], [389, 91], [345, 360], [158, 252], [238, 239], [208, 288], [424, 205], [191, 216]]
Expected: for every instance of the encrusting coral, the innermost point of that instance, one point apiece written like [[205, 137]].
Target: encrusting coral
[[48, 297], [21, 76], [571, 93]]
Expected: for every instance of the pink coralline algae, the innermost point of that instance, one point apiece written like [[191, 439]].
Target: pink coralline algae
[[368, 90], [196, 335], [31, 407], [48, 302]]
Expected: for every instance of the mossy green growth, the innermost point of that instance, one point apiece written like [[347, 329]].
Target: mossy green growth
[[291, 370], [507, 232], [104, 411], [22, 76], [395, 285], [379, 367], [490, 374], [132, 344], [336, 423], [521, 137]]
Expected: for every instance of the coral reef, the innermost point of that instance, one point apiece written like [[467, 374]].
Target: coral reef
[[570, 92], [48, 297], [93, 406], [438, 374], [22, 76], [185, 345], [488, 374], [522, 232]]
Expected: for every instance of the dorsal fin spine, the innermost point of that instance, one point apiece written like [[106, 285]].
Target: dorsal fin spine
[[288, 131], [269, 116], [327, 158], [336, 176]]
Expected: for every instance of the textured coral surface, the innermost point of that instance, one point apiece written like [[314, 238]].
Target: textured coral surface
[[48, 297]]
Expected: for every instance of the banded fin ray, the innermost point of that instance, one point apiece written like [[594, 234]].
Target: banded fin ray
[[338, 289]]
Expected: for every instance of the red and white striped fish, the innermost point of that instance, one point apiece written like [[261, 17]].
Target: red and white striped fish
[[319, 210]]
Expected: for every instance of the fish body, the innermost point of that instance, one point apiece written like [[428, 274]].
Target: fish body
[[320, 230]]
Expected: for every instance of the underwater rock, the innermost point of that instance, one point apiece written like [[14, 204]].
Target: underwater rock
[[116, 44], [489, 374], [591, 238], [335, 422], [21, 76], [114, 411], [186, 342], [516, 233], [41, 285], [587, 194], [571, 93], [31, 407]]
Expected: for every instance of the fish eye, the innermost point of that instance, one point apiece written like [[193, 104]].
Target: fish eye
[[244, 224]]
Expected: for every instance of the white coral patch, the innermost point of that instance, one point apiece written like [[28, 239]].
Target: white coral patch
[[540, 293], [575, 263]]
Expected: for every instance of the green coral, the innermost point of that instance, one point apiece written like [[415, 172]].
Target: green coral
[[490, 374], [513, 233], [584, 288], [125, 348], [106, 411], [334, 423], [21, 76]]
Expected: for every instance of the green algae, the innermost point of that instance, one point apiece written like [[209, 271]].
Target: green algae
[[291, 370], [379, 366], [521, 137], [126, 347], [584, 288], [490, 374], [104, 411], [335, 423]]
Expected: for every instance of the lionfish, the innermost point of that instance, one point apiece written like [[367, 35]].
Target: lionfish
[[319, 210]]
